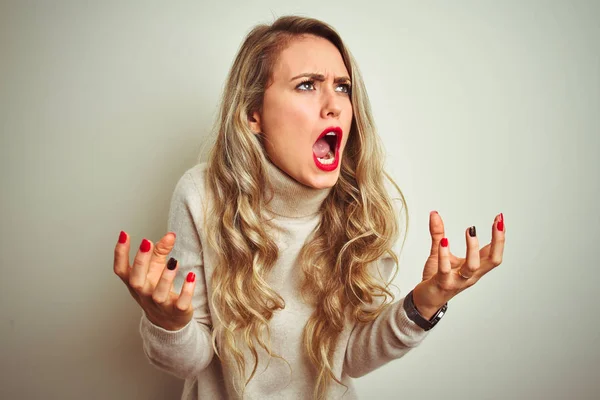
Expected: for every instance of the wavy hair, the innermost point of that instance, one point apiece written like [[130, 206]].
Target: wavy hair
[[358, 223]]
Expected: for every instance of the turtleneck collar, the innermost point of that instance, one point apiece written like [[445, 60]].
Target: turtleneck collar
[[291, 198]]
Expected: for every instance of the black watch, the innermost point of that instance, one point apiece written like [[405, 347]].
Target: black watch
[[417, 318]]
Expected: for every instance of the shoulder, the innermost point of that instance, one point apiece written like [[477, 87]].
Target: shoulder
[[196, 175], [191, 185]]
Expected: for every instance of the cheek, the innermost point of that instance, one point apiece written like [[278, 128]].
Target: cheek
[[297, 111], [347, 125], [344, 143], [288, 120]]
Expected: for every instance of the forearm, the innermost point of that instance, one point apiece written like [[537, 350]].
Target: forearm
[[390, 336]]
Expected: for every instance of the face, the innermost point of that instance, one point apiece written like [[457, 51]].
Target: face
[[308, 97]]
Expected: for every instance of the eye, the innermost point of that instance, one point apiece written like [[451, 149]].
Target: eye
[[308, 82], [347, 86]]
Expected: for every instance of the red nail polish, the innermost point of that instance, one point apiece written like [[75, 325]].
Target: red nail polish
[[500, 225], [122, 237], [191, 277], [145, 246], [501, 217], [444, 242]]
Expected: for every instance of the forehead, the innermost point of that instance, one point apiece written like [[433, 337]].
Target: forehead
[[309, 54]]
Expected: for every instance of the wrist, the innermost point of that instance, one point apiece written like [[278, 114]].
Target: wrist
[[426, 312], [415, 315], [421, 301], [162, 325]]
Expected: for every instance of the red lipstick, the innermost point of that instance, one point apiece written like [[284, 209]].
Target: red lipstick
[[339, 134]]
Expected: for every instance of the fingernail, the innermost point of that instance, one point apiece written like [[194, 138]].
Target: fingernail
[[172, 264], [174, 234], [145, 246], [444, 242], [434, 211], [472, 231], [190, 277], [122, 237], [501, 217], [500, 225]]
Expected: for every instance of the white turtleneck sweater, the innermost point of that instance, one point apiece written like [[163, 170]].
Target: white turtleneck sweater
[[188, 352]]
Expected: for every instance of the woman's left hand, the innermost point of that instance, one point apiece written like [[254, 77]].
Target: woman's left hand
[[446, 275]]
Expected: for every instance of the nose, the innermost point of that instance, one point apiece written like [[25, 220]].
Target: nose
[[331, 104]]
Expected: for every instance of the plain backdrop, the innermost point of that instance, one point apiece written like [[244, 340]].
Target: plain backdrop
[[484, 107]]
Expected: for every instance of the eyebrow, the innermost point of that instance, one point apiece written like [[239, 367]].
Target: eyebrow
[[321, 77]]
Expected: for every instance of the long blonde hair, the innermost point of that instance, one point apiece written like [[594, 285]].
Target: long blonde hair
[[358, 219]]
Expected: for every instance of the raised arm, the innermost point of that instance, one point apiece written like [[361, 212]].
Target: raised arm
[[186, 351], [390, 336]]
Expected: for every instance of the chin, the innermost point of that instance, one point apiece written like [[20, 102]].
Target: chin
[[311, 176], [322, 180]]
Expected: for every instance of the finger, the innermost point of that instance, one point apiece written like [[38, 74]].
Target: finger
[[497, 245], [184, 302], [436, 229], [472, 260], [444, 267], [161, 251], [121, 259], [139, 269], [162, 291]]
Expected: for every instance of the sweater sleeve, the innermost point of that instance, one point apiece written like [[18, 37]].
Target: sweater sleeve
[[391, 335], [186, 352], [388, 337]]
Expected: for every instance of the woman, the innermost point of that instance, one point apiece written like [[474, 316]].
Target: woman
[[288, 237]]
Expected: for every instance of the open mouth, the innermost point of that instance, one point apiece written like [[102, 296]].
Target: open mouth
[[326, 151], [326, 148]]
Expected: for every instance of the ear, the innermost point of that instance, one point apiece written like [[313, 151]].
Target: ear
[[255, 122]]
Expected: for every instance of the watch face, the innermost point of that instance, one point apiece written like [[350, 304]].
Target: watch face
[[440, 313]]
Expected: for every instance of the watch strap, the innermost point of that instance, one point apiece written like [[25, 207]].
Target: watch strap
[[417, 318]]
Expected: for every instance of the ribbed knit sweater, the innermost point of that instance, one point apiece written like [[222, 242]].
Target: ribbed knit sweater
[[188, 352]]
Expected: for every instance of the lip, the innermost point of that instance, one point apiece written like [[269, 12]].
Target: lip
[[339, 133]]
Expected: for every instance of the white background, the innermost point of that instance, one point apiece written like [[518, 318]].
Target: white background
[[484, 107]]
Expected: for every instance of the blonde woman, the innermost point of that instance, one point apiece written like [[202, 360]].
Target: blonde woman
[[273, 280]]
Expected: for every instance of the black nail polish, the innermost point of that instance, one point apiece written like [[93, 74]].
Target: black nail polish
[[472, 231], [172, 264]]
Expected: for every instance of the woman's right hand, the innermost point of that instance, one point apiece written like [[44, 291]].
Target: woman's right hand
[[150, 283]]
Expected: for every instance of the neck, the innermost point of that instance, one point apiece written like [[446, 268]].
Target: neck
[[290, 197]]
